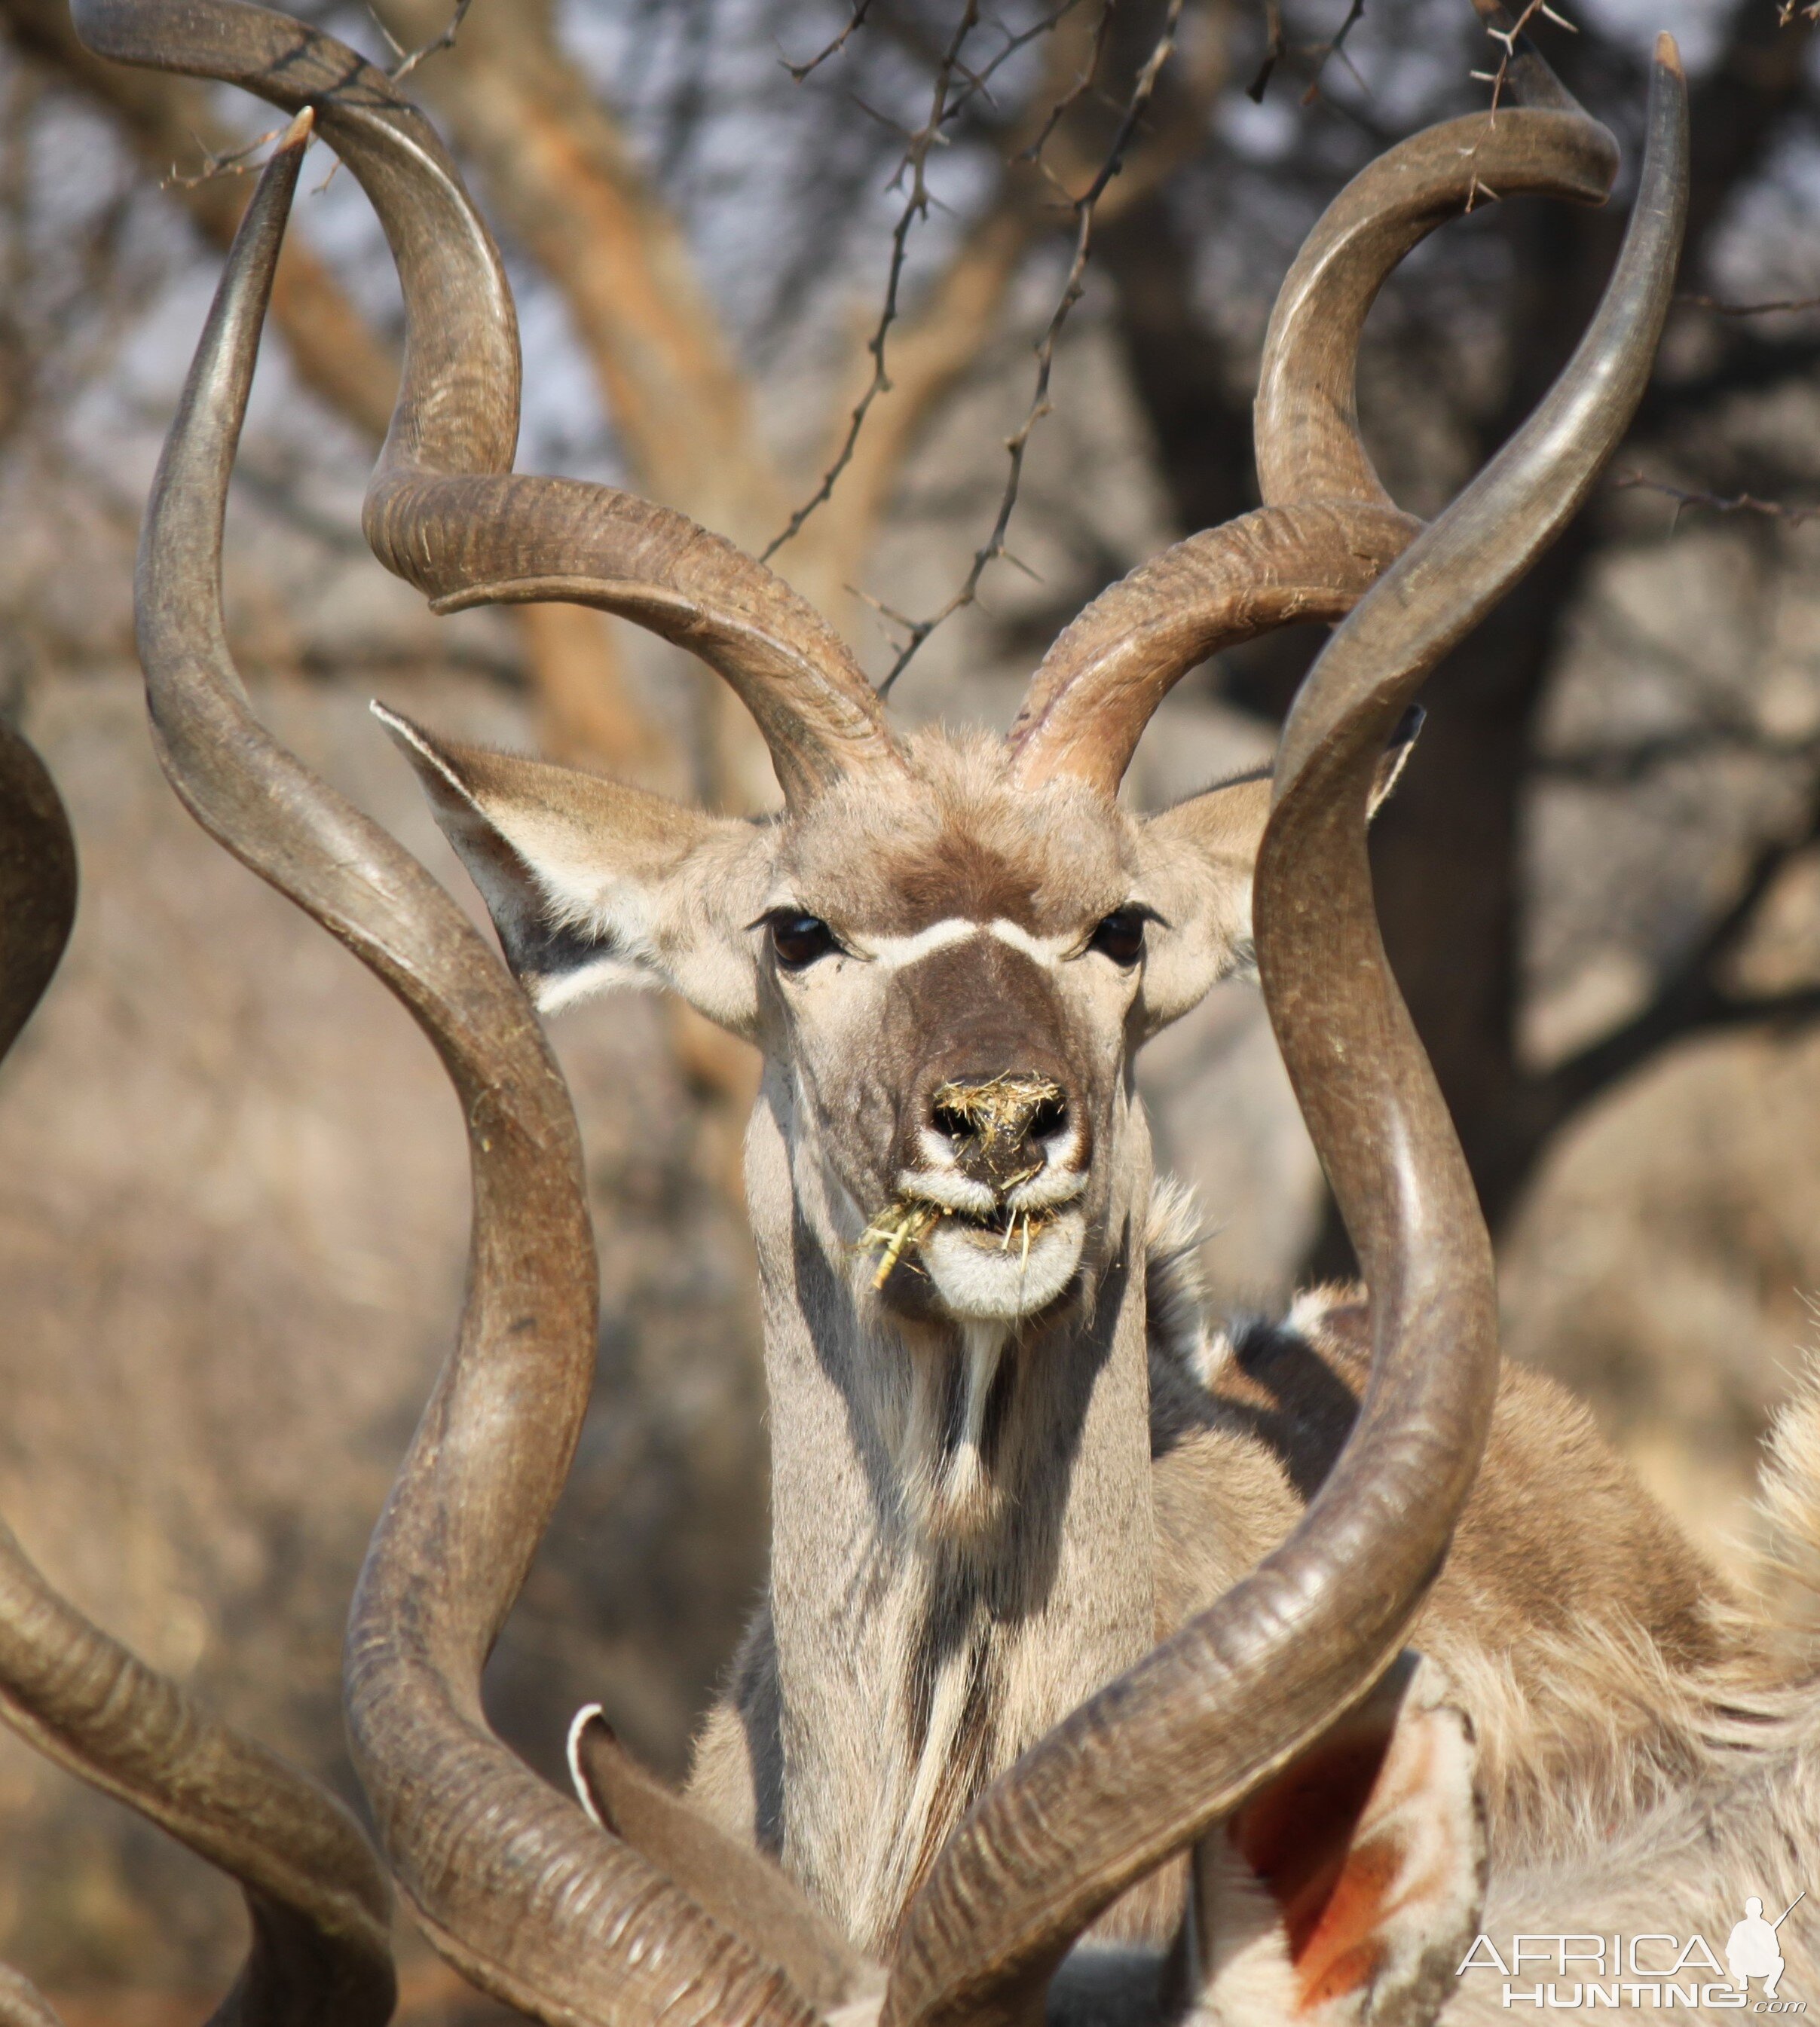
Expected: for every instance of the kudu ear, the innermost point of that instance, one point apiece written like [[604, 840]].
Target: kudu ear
[[1346, 1890], [1201, 855], [592, 884]]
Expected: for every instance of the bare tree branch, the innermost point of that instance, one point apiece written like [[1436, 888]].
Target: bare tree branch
[[339, 357], [1506, 37], [409, 60], [1086, 72], [937, 344], [1273, 51], [1084, 206], [855, 22], [166, 120], [56, 334], [1722, 309], [1323, 53], [916, 208], [1715, 503], [235, 162], [587, 712], [1317, 55], [1694, 998], [559, 172]]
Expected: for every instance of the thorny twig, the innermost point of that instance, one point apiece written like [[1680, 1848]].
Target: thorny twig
[[1715, 502], [1496, 79], [239, 162], [234, 162], [1276, 48], [1694, 997], [1273, 50], [915, 165], [1072, 97], [1084, 207], [407, 60], [1507, 38], [1324, 52], [855, 22], [945, 103]]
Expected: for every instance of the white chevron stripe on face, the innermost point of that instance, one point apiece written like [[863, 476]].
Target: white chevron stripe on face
[[1046, 950], [896, 952]]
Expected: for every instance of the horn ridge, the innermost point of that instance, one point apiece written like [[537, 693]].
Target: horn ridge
[[1152, 1761], [1100, 685], [1306, 413], [458, 403], [515, 1885], [1097, 687], [513, 538], [1488, 538], [457, 414]]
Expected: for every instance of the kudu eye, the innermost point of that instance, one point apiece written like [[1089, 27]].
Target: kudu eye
[[1120, 936], [798, 939]]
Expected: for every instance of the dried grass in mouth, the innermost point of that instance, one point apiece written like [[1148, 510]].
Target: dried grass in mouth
[[906, 1223], [996, 1112], [900, 1226]]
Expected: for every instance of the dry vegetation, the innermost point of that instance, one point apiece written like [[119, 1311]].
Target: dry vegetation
[[816, 295]]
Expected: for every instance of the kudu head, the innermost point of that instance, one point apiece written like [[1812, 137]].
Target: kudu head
[[1012, 870], [948, 948], [946, 965]]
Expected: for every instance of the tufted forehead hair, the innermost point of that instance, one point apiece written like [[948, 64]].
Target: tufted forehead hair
[[954, 835]]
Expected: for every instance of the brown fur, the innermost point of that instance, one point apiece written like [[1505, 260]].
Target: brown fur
[[1550, 1601], [975, 1524], [1596, 1662], [955, 837], [1742, 1813]]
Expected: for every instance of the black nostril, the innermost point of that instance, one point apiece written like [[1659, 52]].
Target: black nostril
[[951, 1121], [1047, 1119]]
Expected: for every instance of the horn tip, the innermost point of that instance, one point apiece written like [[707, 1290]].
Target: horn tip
[[298, 133], [1668, 54]]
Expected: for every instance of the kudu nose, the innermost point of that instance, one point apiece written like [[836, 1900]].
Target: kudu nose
[[997, 1126]]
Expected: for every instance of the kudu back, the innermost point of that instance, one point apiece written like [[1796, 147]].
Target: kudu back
[[1007, 1464]]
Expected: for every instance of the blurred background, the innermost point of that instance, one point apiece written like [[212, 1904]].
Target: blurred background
[[232, 1194]]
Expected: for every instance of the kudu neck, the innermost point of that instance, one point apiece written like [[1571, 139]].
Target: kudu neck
[[929, 1628]]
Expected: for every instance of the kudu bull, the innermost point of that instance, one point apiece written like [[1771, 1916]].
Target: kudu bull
[[999, 1477]]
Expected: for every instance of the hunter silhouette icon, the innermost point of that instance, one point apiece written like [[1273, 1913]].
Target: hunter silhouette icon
[[1753, 1951]]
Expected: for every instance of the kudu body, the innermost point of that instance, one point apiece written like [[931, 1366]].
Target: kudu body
[[1004, 1467]]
